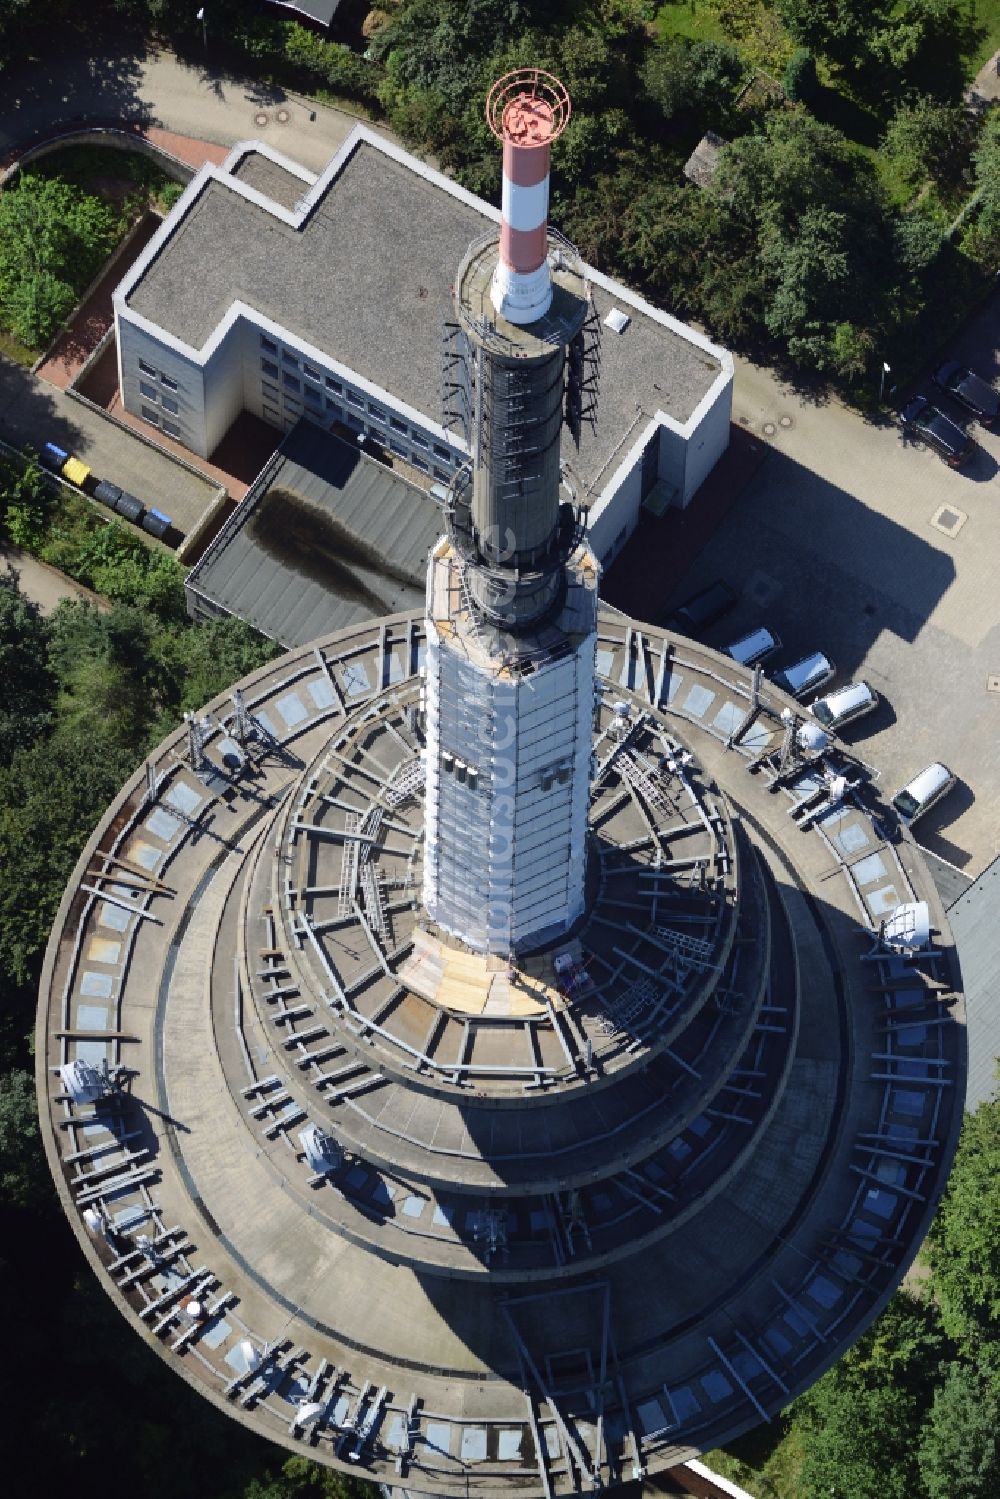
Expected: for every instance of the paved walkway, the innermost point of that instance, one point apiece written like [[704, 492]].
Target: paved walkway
[[176, 104], [46, 586]]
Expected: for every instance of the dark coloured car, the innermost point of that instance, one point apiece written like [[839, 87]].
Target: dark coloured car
[[921, 419], [975, 393], [703, 608]]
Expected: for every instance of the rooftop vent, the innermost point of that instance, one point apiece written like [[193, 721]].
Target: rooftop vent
[[617, 320]]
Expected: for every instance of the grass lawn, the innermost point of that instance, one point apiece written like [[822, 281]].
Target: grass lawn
[[697, 19], [12, 349], [988, 16]]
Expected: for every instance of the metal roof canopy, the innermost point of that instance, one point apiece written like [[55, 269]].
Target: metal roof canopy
[[973, 919], [326, 537]]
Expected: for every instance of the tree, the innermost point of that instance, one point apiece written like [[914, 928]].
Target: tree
[[959, 1451], [987, 164], [700, 77], [926, 138], [964, 1239], [856, 1424], [24, 1176], [800, 80], [837, 29], [53, 239], [28, 685]]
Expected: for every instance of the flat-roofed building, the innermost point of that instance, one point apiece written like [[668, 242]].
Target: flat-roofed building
[[274, 291]]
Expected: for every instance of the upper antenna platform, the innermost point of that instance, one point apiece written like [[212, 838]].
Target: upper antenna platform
[[528, 107]]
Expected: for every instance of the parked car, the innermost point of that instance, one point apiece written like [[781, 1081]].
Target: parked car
[[975, 393], [756, 646], [805, 676], [844, 705], [703, 608], [920, 794], [938, 431]]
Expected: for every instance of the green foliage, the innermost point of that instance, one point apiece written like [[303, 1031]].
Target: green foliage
[[25, 504], [24, 1176], [53, 239], [328, 64], [701, 77], [857, 1422], [959, 1452], [987, 167], [964, 1240], [28, 685], [800, 79], [926, 138], [838, 29]]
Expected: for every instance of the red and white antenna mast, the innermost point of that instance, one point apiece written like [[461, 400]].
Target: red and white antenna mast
[[527, 110]]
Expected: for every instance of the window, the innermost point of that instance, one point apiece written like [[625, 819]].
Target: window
[[397, 448], [170, 384], [171, 428], [332, 384], [290, 382], [440, 452], [270, 368], [151, 415], [398, 426], [270, 392], [376, 412], [289, 359], [354, 423], [442, 474], [147, 369], [337, 412], [270, 415], [310, 373], [313, 398], [268, 344], [419, 440], [291, 404], [354, 399], [420, 463], [149, 391], [169, 404]]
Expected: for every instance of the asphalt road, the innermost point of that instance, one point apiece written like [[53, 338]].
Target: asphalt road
[[834, 545], [160, 90]]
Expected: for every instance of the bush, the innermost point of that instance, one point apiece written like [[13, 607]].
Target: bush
[[800, 80], [328, 64], [53, 240]]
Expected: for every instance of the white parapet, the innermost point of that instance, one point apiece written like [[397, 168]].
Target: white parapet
[[508, 783]]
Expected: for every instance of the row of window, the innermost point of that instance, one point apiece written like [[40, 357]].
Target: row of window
[[311, 394], [151, 415], [154, 374]]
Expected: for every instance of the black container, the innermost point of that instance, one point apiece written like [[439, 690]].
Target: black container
[[109, 494], [127, 505], [156, 523]]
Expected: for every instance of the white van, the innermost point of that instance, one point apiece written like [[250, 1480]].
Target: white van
[[843, 706], [920, 794], [756, 646]]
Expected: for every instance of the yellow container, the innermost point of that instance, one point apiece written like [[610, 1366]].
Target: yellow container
[[75, 471]]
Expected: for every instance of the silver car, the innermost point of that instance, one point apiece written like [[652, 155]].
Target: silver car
[[756, 646], [920, 794], [805, 676], [844, 705]]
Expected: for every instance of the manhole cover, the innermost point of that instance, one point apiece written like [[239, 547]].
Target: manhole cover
[[949, 519], [993, 684], [769, 429], [282, 116], [260, 119], [786, 421]]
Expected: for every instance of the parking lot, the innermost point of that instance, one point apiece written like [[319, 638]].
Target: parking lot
[[855, 541]]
